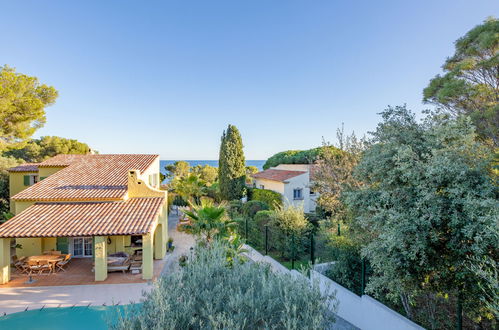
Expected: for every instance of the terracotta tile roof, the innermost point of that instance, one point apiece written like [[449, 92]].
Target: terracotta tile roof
[[92, 177], [62, 160], [26, 167], [277, 175], [135, 216]]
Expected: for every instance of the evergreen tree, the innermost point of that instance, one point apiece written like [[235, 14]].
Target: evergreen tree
[[231, 165]]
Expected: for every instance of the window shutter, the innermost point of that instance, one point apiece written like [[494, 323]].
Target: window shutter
[[63, 244], [26, 180]]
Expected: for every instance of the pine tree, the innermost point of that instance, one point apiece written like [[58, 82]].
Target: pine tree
[[231, 164]]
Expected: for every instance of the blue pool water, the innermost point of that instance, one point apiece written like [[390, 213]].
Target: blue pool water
[[73, 318]]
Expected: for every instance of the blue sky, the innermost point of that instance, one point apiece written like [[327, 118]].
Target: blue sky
[[168, 76]]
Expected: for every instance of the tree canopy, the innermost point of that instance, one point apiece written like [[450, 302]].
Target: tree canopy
[[429, 204], [297, 156], [23, 100], [470, 83], [37, 150], [231, 164]]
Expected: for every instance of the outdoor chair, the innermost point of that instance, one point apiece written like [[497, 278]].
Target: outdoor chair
[[20, 265], [45, 266], [33, 267], [63, 263]]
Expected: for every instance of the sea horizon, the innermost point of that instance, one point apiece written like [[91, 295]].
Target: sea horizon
[[258, 163]]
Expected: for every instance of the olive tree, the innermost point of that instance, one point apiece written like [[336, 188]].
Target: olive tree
[[429, 203], [210, 293]]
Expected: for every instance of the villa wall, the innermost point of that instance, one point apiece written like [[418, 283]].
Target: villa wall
[[298, 182], [270, 185], [152, 170], [44, 172], [16, 185]]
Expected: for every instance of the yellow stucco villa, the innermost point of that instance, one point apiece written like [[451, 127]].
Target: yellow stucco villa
[[86, 206]]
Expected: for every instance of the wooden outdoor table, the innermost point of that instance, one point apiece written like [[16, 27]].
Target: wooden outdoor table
[[52, 259]]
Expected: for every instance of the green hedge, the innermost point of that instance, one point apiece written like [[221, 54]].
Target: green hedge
[[269, 197], [250, 208]]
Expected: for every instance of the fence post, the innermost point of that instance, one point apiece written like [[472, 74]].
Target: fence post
[[363, 278], [312, 247], [246, 229], [293, 251], [266, 239], [459, 324]]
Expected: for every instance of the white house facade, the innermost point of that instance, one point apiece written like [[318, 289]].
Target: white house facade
[[292, 181]]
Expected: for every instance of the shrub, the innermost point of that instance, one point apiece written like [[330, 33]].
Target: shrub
[[234, 208], [250, 208], [209, 294], [269, 197], [289, 231]]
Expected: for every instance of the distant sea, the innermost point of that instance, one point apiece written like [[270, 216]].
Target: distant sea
[[214, 163]]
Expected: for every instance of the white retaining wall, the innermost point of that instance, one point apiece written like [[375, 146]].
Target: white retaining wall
[[363, 312]]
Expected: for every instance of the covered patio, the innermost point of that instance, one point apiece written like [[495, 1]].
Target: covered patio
[[134, 230]]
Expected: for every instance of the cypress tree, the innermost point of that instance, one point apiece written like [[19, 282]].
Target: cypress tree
[[231, 164]]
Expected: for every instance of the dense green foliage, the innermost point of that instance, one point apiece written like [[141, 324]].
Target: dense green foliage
[[5, 164], [178, 169], [22, 107], [271, 198], [207, 173], [37, 150], [429, 205], [250, 208], [208, 293], [231, 165], [296, 156], [470, 84]]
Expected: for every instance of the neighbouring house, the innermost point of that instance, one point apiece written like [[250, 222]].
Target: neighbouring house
[[292, 181], [88, 206]]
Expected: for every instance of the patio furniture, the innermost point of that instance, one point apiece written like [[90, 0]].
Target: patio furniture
[[116, 264], [47, 253], [55, 253], [52, 259], [63, 263], [45, 266], [33, 267], [20, 264]]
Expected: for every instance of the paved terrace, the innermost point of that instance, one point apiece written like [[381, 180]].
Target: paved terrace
[[80, 289]]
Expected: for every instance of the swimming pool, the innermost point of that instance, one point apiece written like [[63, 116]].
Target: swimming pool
[[64, 318]]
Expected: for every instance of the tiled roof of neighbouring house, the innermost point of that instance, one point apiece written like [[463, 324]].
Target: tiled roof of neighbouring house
[[26, 167], [135, 216], [91, 177], [277, 175]]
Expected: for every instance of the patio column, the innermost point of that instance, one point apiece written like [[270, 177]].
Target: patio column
[[100, 254], [160, 238], [147, 256], [4, 260]]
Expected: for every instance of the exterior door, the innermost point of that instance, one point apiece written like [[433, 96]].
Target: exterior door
[[82, 247]]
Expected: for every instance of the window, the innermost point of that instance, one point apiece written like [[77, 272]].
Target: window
[[33, 179], [262, 186], [297, 193], [30, 180]]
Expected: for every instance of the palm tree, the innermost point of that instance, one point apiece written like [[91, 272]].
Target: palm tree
[[190, 188], [210, 221]]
